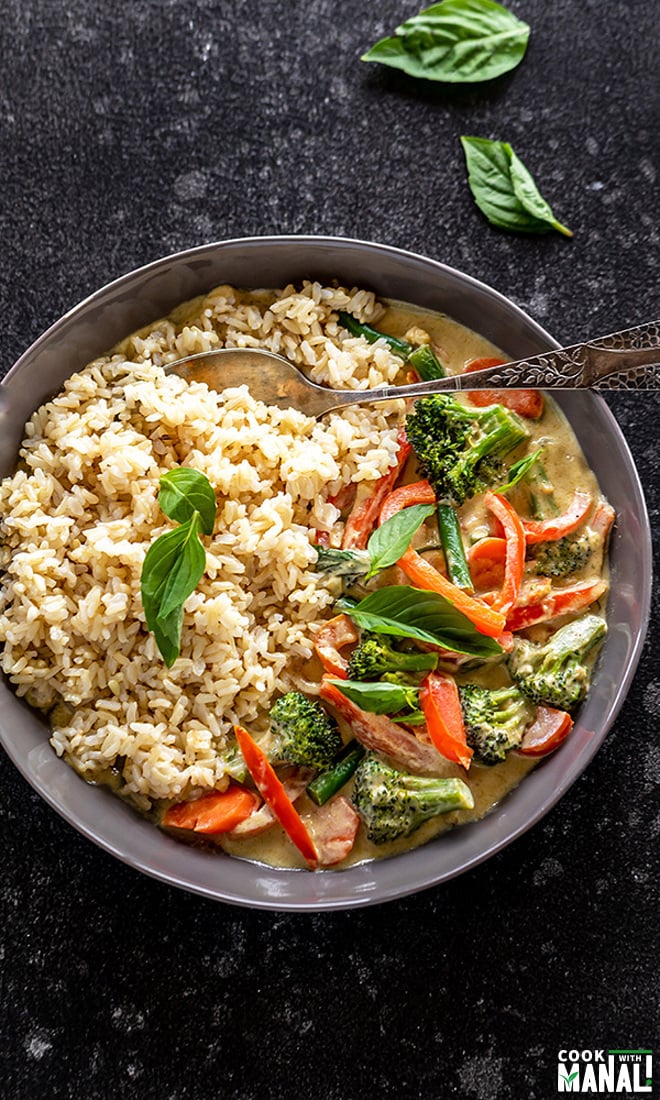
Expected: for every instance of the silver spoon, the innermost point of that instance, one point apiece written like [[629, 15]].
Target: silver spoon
[[628, 360]]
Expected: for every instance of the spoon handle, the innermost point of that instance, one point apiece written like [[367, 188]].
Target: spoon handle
[[628, 360]]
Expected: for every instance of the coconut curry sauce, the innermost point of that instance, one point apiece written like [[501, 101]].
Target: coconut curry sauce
[[567, 470]]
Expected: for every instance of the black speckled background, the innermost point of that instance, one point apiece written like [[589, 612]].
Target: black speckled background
[[129, 130]]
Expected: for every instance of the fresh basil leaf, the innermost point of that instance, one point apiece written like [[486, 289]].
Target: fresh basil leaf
[[184, 491], [379, 697], [406, 612], [186, 571], [518, 470], [167, 633], [342, 563], [171, 570], [456, 42], [504, 190], [393, 537], [528, 194]]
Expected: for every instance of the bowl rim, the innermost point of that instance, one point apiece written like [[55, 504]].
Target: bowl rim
[[390, 890]]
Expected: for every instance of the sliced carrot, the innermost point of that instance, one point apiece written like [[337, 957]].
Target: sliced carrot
[[561, 601], [336, 633], [486, 561], [424, 575], [441, 705], [549, 728], [272, 792], [548, 530], [215, 812], [514, 559], [370, 496], [528, 403]]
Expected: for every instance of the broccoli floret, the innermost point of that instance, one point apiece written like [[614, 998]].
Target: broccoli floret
[[460, 449], [302, 732], [374, 657], [393, 804], [495, 720], [563, 556], [556, 674]]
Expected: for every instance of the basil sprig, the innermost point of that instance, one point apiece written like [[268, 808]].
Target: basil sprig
[[175, 562], [385, 546], [456, 42], [406, 612], [504, 190]]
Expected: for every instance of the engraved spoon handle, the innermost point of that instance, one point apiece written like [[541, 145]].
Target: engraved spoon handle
[[623, 360]]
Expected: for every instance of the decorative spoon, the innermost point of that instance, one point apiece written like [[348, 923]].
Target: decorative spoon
[[627, 360]]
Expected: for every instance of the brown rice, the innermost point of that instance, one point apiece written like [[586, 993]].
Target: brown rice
[[81, 511]]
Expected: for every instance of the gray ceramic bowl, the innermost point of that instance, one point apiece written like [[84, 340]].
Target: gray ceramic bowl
[[144, 295]]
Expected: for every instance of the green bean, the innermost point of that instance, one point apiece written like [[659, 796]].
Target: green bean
[[400, 347], [426, 363], [325, 785], [452, 544]]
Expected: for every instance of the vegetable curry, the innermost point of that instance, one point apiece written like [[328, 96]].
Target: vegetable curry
[[470, 596]]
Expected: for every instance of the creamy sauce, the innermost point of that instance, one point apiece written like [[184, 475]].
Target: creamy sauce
[[567, 470]]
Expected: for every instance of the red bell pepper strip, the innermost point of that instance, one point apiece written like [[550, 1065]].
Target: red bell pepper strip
[[546, 732], [548, 530], [215, 812], [273, 793], [425, 575], [561, 601], [335, 634], [602, 520], [486, 560], [441, 705], [514, 560], [528, 403], [345, 497], [420, 492], [370, 496]]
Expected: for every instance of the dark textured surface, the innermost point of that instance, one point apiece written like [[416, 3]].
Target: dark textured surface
[[132, 130]]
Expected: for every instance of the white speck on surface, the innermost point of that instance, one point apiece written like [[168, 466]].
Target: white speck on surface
[[127, 1018], [591, 146], [550, 868], [482, 1076], [597, 185], [651, 765], [648, 170], [37, 1044], [652, 699], [191, 185]]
